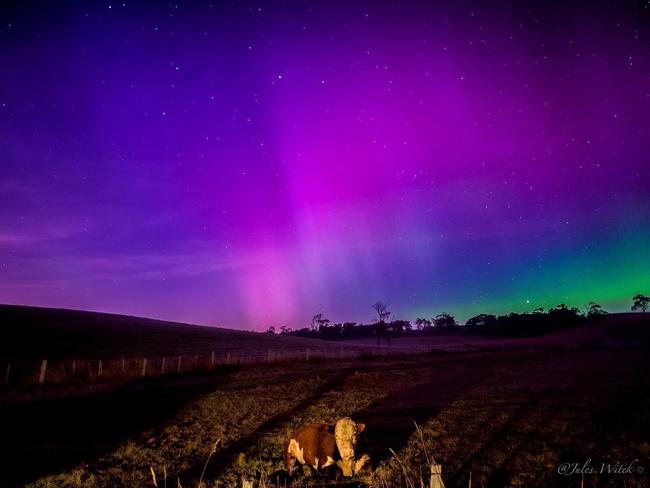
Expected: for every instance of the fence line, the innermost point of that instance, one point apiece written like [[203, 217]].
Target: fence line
[[89, 370]]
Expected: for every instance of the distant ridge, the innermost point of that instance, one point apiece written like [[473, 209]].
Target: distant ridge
[[32, 333]]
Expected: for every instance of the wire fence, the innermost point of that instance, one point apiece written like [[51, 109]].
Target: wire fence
[[79, 371], [61, 371]]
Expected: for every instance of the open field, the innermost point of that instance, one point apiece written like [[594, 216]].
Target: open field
[[508, 413], [508, 418]]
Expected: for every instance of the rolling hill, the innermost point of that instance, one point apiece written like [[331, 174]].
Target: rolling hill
[[34, 333]]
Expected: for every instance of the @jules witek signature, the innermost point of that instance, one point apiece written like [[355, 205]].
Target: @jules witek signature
[[590, 467]]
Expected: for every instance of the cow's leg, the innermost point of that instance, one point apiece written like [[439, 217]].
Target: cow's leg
[[289, 459], [293, 455]]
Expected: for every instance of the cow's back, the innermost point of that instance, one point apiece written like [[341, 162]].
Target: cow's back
[[312, 444]]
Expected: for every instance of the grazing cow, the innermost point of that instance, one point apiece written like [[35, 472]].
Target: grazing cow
[[324, 446]]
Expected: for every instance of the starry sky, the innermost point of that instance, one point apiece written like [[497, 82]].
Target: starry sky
[[248, 164]]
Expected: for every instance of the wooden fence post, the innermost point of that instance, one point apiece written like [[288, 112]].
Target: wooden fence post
[[100, 370], [41, 377], [162, 369], [228, 358], [123, 364], [268, 357], [7, 374], [307, 354], [436, 477], [178, 369], [74, 366], [212, 359], [144, 366]]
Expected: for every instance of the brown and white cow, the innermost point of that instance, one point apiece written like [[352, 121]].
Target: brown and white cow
[[322, 446]]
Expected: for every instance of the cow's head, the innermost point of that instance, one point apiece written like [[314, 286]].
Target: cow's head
[[347, 433]]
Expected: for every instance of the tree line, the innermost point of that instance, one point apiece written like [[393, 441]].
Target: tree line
[[386, 325]]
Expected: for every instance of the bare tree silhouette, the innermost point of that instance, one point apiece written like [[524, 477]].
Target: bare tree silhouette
[[383, 316], [318, 322]]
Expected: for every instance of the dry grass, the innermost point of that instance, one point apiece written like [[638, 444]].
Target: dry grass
[[507, 418]]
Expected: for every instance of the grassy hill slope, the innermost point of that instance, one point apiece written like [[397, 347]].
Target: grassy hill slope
[[33, 333]]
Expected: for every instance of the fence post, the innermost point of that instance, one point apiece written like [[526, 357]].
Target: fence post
[[436, 476], [307, 354], [74, 366], [144, 366], [178, 369], [123, 365], [228, 358], [212, 359], [100, 370], [268, 357], [41, 377], [162, 369], [7, 375]]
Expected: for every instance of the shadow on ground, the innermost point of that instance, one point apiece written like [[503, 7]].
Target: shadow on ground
[[228, 454], [50, 436], [390, 419]]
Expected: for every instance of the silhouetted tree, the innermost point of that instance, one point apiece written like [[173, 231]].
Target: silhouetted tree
[[594, 310], [348, 328], [383, 316], [319, 321], [422, 324], [560, 317], [640, 302], [285, 330], [335, 330], [399, 326], [563, 309], [482, 320], [270, 330], [444, 320]]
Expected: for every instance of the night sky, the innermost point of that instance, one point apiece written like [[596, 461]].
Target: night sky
[[248, 164]]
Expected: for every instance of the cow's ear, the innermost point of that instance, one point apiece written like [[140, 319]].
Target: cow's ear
[[361, 427]]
